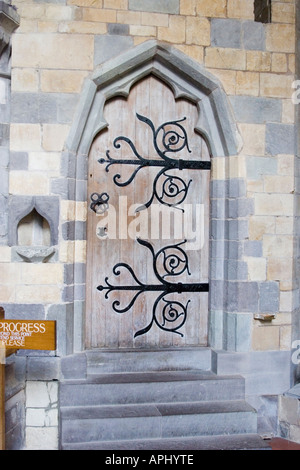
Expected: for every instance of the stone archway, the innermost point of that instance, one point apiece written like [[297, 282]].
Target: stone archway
[[187, 80]]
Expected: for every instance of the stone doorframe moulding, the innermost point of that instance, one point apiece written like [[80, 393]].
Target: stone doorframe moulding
[[216, 124]]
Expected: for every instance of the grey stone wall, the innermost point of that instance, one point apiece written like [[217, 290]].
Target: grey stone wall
[[15, 374], [296, 312]]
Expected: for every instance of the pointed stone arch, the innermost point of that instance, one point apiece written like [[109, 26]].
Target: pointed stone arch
[[186, 78], [216, 124]]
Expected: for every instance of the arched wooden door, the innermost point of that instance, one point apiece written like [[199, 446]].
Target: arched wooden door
[[148, 224]]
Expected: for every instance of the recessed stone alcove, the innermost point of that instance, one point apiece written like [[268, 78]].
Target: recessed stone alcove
[[33, 228]]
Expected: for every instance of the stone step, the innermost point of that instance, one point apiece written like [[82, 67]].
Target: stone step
[[154, 421], [151, 387], [132, 360], [216, 442]]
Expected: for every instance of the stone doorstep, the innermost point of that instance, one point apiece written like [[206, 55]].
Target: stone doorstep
[[233, 442], [150, 387], [81, 424]]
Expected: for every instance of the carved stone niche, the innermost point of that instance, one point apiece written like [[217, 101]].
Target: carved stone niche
[[33, 228], [9, 21]]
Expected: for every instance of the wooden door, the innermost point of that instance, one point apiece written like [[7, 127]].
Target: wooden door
[[148, 224]]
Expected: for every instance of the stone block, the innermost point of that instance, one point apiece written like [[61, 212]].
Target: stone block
[[213, 8], [217, 209], [66, 106], [28, 311], [41, 438], [218, 188], [41, 394], [240, 9], [4, 135], [278, 246], [274, 204], [276, 86], [280, 139], [269, 297], [25, 137], [168, 6], [39, 417], [237, 270], [251, 145], [280, 269], [44, 161], [74, 366], [235, 188], [283, 12], [43, 368], [233, 249], [42, 273], [74, 230], [98, 14], [64, 187], [118, 29], [240, 207], [257, 269], [284, 225], [286, 164], [247, 83], [253, 248], [18, 161], [54, 136], [63, 315], [222, 58], [266, 373], [256, 110], [237, 229], [25, 80], [258, 61], [5, 254], [115, 4], [4, 157], [226, 33], [28, 183], [260, 166], [70, 210], [33, 108], [176, 31], [62, 81], [48, 294], [54, 51], [197, 31], [242, 297], [107, 47], [253, 34], [5, 112], [280, 37], [59, 13], [14, 419], [227, 78], [154, 19], [239, 332], [144, 31], [266, 338], [279, 62]]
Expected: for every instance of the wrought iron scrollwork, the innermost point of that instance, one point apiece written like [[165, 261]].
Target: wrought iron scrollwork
[[169, 262], [99, 202], [168, 139]]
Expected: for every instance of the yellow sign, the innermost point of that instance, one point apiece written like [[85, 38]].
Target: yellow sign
[[28, 334]]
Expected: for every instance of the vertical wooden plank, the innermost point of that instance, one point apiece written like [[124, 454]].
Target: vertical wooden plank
[[2, 389], [142, 192]]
